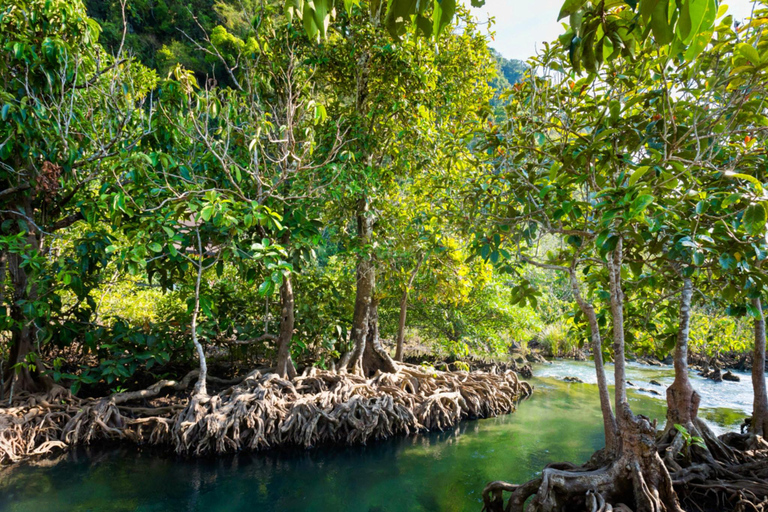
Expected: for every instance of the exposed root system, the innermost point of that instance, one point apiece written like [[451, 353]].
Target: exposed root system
[[729, 473], [261, 411]]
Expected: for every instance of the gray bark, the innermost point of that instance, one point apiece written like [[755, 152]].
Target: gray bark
[[365, 285], [375, 356], [285, 367], [200, 387], [682, 399], [760, 408], [609, 420], [615, 260]]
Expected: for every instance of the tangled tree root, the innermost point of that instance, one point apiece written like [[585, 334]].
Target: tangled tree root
[[262, 411], [730, 474]]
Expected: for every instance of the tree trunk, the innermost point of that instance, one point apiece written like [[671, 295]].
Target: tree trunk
[[366, 359], [617, 313], [365, 285], [375, 356], [634, 473], [3, 308], [759, 426], [404, 310], [609, 421], [285, 367], [201, 386], [682, 400], [22, 378]]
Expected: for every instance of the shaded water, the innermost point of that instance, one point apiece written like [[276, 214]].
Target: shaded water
[[443, 471]]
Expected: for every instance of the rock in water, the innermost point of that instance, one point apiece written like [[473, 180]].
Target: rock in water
[[655, 383], [573, 379], [731, 377]]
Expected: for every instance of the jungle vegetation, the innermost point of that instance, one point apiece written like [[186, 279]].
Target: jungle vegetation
[[329, 184]]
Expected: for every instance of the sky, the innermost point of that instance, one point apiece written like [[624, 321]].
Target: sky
[[521, 25]]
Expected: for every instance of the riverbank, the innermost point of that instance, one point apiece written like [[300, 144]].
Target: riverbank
[[698, 362], [260, 411], [430, 471]]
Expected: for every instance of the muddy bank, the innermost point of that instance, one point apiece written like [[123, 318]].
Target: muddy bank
[[260, 411]]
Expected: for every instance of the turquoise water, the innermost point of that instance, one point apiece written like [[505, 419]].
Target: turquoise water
[[444, 471]]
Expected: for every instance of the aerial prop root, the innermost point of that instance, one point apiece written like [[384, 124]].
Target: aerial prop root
[[597, 490], [639, 479], [261, 411]]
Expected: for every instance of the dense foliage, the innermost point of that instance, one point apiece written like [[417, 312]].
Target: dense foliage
[[176, 175]]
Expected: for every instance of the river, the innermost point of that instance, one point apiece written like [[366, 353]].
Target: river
[[439, 471]]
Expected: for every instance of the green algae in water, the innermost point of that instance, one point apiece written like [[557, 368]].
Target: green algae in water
[[444, 471]]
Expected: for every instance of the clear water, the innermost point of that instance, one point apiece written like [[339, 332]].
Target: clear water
[[443, 471]]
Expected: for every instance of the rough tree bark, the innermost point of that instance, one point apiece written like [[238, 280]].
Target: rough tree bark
[[364, 290], [285, 367], [609, 421], [375, 356], [22, 378], [759, 425], [404, 310], [366, 360]]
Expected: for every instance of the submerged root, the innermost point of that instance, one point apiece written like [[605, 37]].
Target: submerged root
[[634, 479], [729, 474], [262, 411]]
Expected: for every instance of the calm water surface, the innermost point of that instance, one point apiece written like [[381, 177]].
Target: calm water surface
[[443, 471]]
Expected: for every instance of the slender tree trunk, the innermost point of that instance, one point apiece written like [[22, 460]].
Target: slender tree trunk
[[404, 310], [3, 259], [759, 425], [617, 313], [200, 387], [609, 420], [682, 400], [285, 367]]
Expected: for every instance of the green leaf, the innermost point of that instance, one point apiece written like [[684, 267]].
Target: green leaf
[[640, 203], [639, 172], [748, 52], [322, 14], [310, 26], [754, 219], [569, 7], [662, 30], [443, 13], [207, 212], [751, 179], [731, 199], [647, 7], [155, 247]]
